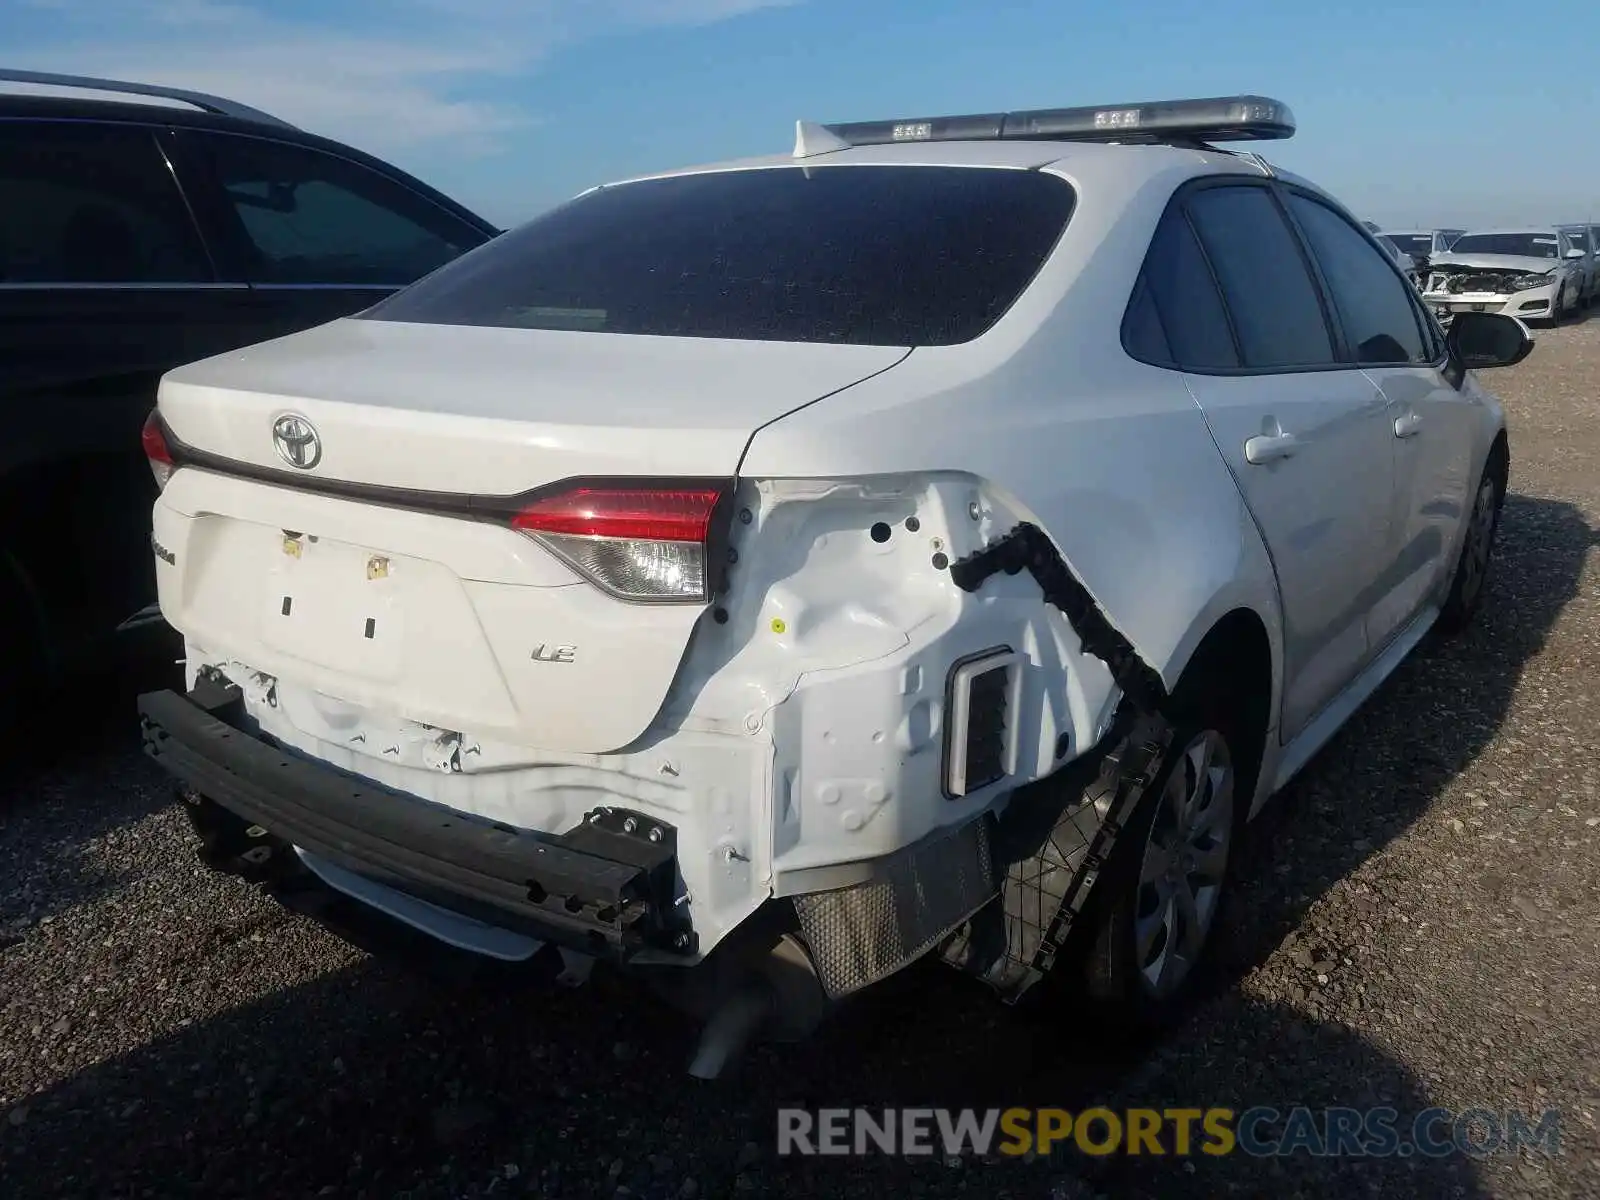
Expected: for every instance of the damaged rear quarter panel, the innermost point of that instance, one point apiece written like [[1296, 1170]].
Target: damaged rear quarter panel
[[1109, 456]]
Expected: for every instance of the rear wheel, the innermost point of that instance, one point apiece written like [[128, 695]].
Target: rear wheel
[[1170, 871], [1477, 550]]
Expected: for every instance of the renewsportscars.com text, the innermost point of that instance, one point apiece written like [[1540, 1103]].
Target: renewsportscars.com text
[[1260, 1132]]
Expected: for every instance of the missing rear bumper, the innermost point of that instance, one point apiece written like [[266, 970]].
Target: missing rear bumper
[[607, 888]]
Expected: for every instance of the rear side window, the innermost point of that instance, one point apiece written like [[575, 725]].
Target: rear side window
[[870, 255], [1380, 323], [1269, 293], [1143, 335], [1183, 295], [82, 203], [313, 218]]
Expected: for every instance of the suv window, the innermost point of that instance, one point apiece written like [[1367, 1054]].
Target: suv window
[[1379, 321], [1276, 313], [1183, 299], [310, 217], [82, 203], [872, 255]]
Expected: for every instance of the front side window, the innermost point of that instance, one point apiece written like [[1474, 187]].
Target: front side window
[[1379, 321], [871, 255], [313, 218], [1268, 290], [92, 204]]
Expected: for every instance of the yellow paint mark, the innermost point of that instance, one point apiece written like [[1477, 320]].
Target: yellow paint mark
[[778, 625]]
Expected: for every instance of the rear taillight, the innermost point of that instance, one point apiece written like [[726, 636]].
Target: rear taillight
[[645, 542], [154, 438]]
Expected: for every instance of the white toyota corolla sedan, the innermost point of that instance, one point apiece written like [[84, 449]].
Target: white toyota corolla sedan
[[939, 540]]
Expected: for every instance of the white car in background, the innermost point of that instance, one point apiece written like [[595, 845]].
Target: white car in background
[[1583, 237], [937, 540], [1530, 274]]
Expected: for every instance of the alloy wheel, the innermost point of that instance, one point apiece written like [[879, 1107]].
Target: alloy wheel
[[1185, 862]]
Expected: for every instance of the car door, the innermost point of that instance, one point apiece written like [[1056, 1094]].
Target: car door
[[314, 234], [1433, 427], [105, 283], [1303, 433]]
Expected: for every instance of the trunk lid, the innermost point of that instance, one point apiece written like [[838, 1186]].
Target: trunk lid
[[415, 610], [461, 409]]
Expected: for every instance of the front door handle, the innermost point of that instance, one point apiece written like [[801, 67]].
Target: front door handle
[[1407, 425], [1269, 447]]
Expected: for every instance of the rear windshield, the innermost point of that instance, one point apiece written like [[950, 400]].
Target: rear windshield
[[1528, 245], [870, 255]]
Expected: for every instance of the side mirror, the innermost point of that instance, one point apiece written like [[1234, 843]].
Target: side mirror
[[1576, 252], [1479, 340]]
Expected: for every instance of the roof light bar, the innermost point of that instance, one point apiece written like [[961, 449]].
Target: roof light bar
[[1215, 119]]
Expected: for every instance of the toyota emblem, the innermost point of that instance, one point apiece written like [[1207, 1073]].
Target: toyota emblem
[[296, 441]]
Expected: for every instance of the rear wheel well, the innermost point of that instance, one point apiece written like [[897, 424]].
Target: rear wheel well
[[1230, 675]]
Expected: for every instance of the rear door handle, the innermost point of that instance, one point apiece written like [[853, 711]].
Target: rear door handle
[[1269, 447], [1407, 425]]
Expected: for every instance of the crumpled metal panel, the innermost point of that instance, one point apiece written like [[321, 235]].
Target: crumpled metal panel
[[859, 935], [1052, 843]]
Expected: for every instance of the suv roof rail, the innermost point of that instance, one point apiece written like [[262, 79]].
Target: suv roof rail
[[219, 105], [1212, 119]]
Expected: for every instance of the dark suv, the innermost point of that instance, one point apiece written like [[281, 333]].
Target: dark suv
[[138, 233]]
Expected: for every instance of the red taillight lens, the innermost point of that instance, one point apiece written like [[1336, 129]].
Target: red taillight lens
[[637, 541], [154, 439]]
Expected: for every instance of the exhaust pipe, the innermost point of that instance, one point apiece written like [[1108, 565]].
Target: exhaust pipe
[[731, 1029], [779, 996]]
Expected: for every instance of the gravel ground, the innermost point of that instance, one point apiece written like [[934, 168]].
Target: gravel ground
[[1418, 928]]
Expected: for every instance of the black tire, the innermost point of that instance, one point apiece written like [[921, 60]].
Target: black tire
[[1557, 311], [1114, 969], [1471, 575]]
